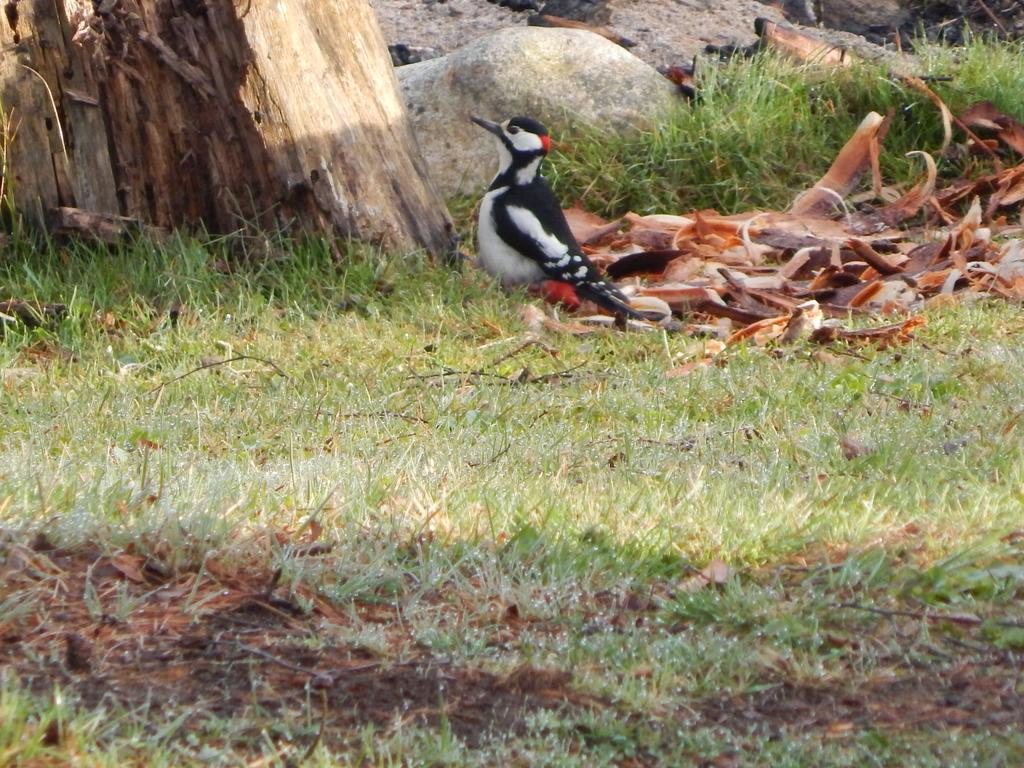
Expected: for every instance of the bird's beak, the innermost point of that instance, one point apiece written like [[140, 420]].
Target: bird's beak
[[487, 125]]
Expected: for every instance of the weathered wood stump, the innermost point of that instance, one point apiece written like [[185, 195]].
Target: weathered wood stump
[[219, 114]]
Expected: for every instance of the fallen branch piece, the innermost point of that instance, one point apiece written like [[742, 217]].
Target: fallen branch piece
[[32, 313], [853, 159]]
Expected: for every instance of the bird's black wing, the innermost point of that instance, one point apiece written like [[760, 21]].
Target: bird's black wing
[[535, 226], [532, 222]]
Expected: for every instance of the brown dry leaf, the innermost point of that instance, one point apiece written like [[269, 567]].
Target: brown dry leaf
[[880, 263], [314, 530], [984, 115], [866, 294], [716, 573], [1014, 193], [682, 270], [659, 222], [839, 730], [846, 170], [687, 368], [129, 566], [932, 282], [912, 202], [589, 228], [762, 331], [679, 296], [537, 321], [853, 448], [805, 318], [965, 231], [885, 336], [802, 47], [1013, 137], [652, 305], [947, 116], [533, 317]]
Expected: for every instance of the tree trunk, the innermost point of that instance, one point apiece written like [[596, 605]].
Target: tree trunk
[[223, 114]]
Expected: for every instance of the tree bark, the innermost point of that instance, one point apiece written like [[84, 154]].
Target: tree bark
[[222, 114]]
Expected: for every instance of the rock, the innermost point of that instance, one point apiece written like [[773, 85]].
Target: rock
[[561, 77], [518, 5], [874, 19], [666, 32], [590, 11], [402, 54], [864, 16]]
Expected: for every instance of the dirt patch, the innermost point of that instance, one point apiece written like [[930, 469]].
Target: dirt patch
[[970, 695], [115, 631], [122, 632], [671, 32], [664, 32]]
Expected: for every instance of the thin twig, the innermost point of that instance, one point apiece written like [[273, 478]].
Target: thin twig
[[216, 363], [452, 372], [524, 376], [526, 344], [375, 415], [966, 619], [686, 444], [333, 674], [547, 378], [995, 19], [275, 659]]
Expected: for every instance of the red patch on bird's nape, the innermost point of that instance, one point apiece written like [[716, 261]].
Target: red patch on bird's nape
[[556, 292], [545, 141]]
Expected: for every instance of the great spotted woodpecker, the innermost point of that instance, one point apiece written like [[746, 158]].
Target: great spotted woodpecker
[[523, 237]]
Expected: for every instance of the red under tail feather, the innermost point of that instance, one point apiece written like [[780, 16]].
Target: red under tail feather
[[556, 292]]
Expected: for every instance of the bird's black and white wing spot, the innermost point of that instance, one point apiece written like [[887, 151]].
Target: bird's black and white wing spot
[[554, 255]]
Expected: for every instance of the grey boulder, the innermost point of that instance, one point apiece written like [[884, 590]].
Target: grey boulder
[[562, 77]]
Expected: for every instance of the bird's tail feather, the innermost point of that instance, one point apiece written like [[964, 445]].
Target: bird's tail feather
[[611, 298]]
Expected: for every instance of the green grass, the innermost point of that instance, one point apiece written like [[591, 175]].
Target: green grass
[[763, 130], [452, 491], [612, 481]]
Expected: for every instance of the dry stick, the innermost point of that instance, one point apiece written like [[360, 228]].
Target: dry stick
[[966, 619], [216, 363], [530, 342], [543, 378], [995, 19], [333, 674]]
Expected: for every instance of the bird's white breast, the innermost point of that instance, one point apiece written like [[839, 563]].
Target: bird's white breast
[[498, 257]]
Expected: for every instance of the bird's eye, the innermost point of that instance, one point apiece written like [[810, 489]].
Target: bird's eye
[[513, 129]]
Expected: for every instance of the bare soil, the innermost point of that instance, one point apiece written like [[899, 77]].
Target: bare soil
[[666, 32], [672, 32], [227, 643]]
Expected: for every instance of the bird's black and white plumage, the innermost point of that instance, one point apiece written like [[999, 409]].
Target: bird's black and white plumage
[[523, 237]]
